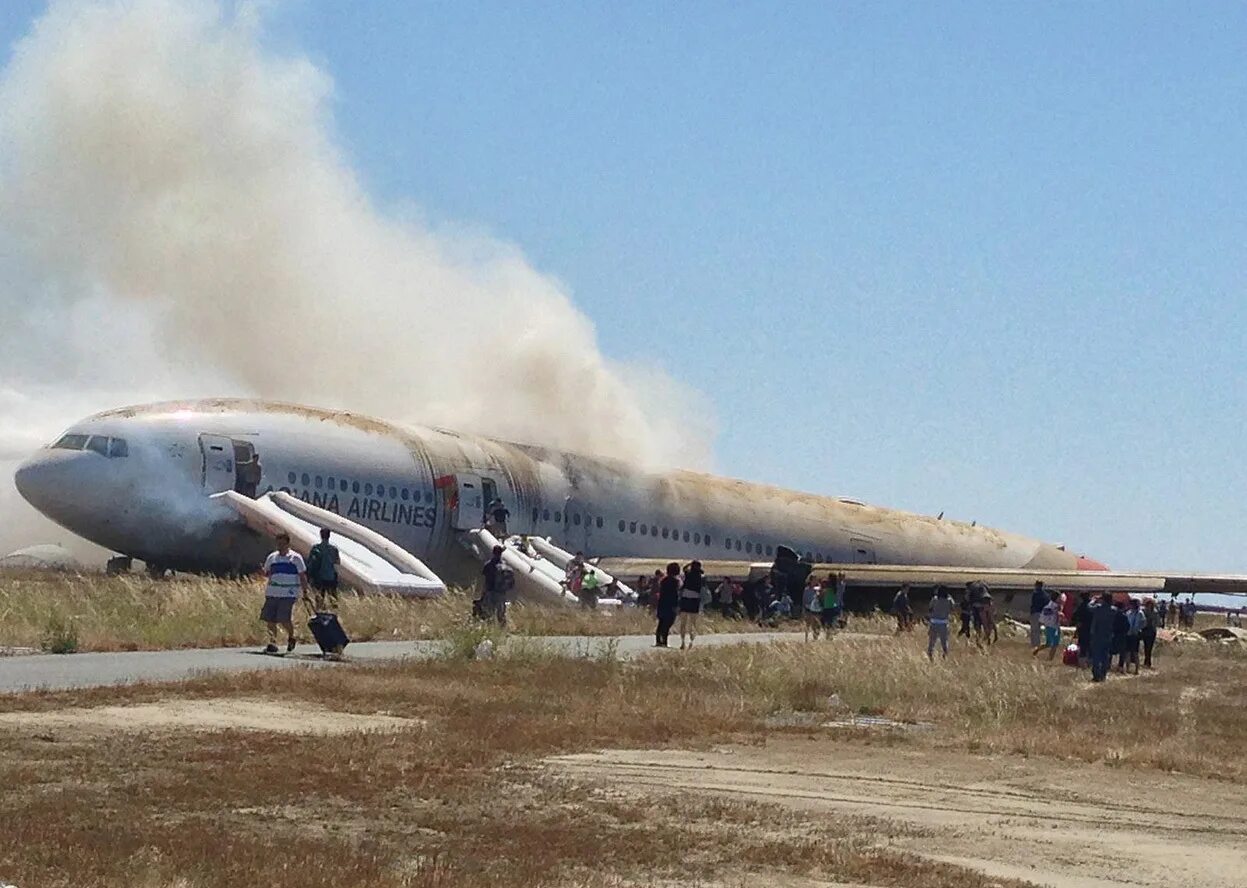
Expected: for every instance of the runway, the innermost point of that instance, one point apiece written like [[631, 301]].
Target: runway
[[91, 670]]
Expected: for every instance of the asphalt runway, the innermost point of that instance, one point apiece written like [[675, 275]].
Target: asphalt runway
[[92, 670]]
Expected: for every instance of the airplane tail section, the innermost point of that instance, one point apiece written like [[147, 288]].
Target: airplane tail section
[[369, 561]]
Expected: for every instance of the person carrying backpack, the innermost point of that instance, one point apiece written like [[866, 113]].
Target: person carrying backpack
[[499, 580], [322, 572]]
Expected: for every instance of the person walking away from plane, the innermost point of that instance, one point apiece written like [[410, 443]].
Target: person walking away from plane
[[322, 572], [655, 586], [1082, 628], [1148, 635], [830, 604], [967, 614], [1050, 620], [492, 573], [1121, 629], [1161, 609], [589, 589], [496, 517], [1103, 615], [901, 609], [937, 622], [667, 603], [1039, 600], [575, 573], [286, 576], [1136, 622], [987, 609], [726, 594], [690, 602], [812, 608]]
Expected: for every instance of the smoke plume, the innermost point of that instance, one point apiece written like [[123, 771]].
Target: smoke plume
[[178, 220]]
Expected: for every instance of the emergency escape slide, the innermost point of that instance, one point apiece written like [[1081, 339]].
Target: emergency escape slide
[[539, 566], [369, 561]]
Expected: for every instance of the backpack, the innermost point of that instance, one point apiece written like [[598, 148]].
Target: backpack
[[505, 581]]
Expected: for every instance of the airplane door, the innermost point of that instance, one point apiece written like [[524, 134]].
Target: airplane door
[[469, 505], [218, 463]]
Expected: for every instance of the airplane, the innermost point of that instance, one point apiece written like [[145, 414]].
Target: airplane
[[155, 482]]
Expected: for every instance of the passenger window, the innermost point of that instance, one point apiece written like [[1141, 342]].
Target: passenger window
[[686, 536], [697, 538], [330, 483], [545, 515], [98, 444], [307, 479], [342, 485], [558, 518], [393, 493], [406, 495], [621, 526], [644, 530], [380, 488], [738, 545], [536, 512], [354, 487], [428, 496], [632, 527], [599, 521], [71, 442], [117, 448], [320, 482], [749, 548], [727, 542], [292, 477], [707, 540], [653, 531], [665, 533], [576, 519], [769, 550], [367, 490]]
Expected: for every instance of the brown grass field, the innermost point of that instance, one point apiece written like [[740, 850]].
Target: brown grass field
[[466, 793], [50, 610]]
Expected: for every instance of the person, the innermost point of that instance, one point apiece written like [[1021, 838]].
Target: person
[[812, 605], [1121, 629], [987, 612], [1101, 630], [589, 589], [655, 586], [690, 602], [900, 607], [286, 576], [967, 614], [1082, 628], [496, 516], [493, 602], [752, 601], [1148, 635], [1189, 610], [937, 622], [1039, 600], [726, 595], [667, 602], [831, 603], [575, 573], [1161, 610], [1050, 620], [1136, 622], [322, 571], [976, 590]]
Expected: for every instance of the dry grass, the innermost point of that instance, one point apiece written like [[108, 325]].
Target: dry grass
[[63, 612], [463, 801]]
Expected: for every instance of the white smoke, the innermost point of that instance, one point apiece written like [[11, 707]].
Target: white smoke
[[178, 220]]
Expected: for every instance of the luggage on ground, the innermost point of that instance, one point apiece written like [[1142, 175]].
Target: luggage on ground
[[328, 633]]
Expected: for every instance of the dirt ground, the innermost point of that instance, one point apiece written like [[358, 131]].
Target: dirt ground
[[1056, 823]]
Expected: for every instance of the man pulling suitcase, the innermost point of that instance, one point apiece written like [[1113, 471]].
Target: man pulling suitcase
[[322, 569]]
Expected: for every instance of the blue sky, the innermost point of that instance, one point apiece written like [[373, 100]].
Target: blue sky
[[989, 259]]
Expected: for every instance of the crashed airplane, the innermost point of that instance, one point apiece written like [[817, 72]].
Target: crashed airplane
[[203, 485]]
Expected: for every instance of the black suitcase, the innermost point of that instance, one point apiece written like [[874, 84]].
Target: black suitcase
[[328, 633]]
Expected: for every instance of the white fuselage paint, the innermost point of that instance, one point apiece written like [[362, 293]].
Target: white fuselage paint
[[420, 486]]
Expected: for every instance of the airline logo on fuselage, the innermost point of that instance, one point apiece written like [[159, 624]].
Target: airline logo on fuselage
[[363, 508]]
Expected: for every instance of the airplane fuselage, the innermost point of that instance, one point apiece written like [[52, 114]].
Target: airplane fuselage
[[139, 483]]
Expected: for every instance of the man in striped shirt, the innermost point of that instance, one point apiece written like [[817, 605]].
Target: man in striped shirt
[[287, 577]]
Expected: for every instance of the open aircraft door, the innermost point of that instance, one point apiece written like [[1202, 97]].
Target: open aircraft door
[[218, 463], [467, 505]]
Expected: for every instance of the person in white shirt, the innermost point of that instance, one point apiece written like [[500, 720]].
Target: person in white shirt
[[286, 577], [1050, 622]]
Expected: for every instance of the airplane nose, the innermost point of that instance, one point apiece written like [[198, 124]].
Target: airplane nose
[[52, 482]]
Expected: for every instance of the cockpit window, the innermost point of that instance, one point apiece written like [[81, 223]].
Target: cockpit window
[[71, 442], [114, 448]]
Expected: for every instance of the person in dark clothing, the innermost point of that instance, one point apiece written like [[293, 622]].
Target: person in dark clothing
[[1103, 616], [749, 598], [496, 516], [1039, 600], [690, 602], [967, 614], [1148, 636], [1082, 628], [668, 604], [322, 572], [493, 601]]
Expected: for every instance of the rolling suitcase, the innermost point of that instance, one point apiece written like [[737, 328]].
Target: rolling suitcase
[[328, 633]]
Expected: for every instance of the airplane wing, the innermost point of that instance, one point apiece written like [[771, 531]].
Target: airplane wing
[[1007, 580]]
